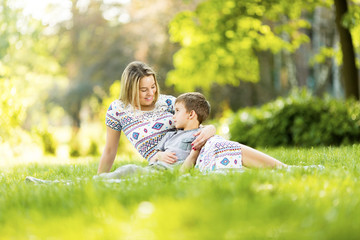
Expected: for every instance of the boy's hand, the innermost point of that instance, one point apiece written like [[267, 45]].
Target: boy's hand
[[167, 157], [202, 136], [190, 161]]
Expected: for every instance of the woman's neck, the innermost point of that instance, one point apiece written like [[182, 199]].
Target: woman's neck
[[147, 108]]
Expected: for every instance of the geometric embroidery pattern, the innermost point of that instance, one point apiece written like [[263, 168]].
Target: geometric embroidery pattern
[[135, 135], [219, 153], [138, 125], [225, 162], [157, 126]]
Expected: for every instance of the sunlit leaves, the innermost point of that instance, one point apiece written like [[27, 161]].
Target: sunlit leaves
[[352, 21], [183, 29], [26, 72], [220, 39], [324, 54]]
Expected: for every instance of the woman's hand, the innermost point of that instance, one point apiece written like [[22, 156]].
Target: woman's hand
[[167, 157], [202, 136]]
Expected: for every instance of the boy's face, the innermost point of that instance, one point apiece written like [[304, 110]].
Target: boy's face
[[181, 116]]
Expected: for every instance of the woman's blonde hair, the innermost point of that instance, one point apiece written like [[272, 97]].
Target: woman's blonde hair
[[130, 81]]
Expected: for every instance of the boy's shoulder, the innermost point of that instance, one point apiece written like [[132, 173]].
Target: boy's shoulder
[[170, 133], [179, 133]]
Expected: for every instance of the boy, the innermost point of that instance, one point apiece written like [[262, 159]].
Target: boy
[[191, 109]]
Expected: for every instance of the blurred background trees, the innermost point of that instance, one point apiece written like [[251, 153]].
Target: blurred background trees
[[61, 60]]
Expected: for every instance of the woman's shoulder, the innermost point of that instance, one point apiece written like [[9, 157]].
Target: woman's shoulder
[[116, 103], [117, 106], [166, 99]]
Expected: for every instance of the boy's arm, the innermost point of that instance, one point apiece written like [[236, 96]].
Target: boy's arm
[[167, 157], [190, 161]]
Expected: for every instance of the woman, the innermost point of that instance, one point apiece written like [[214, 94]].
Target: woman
[[145, 116]]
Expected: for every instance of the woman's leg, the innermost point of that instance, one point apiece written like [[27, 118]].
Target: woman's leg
[[253, 158]]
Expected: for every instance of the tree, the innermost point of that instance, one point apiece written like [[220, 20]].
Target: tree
[[149, 27], [23, 66], [224, 42], [271, 43], [349, 70], [96, 48], [93, 51]]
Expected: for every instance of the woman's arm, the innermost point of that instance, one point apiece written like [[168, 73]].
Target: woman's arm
[[189, 161], [202, 136], [109, 154]]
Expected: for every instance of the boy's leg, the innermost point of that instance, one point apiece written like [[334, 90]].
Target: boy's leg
[[253, 158], [30, 179], [124, 171]]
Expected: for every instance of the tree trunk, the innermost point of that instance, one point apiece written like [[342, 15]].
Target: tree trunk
[[265, 87], [349, 71]]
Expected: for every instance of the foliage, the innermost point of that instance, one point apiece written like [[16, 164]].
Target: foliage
[[27, 72], [93, 149], [351, 21], [220, 40], [256, 204], [12, 109], [300, 120], [91, 54], [74, 147], [48, 141]]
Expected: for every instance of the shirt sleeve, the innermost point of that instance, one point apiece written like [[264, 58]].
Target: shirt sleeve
[[112, 119], [170, 101]]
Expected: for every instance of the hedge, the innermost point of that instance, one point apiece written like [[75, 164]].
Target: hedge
[[298, 120]]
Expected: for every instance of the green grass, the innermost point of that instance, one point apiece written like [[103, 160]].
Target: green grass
[[255, 204]]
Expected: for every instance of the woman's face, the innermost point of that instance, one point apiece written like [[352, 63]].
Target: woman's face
[[147, 90]]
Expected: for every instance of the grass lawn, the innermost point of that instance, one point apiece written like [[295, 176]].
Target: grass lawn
[[256, 204]]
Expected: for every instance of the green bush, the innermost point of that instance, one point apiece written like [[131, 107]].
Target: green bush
[[298, 120], [93, 148], [48, 141]]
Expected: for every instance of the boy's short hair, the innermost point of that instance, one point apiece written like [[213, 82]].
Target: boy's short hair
[[197, 102]]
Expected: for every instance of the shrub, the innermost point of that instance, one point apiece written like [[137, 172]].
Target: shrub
[[298, 120], [48, 141], [93, 148]]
